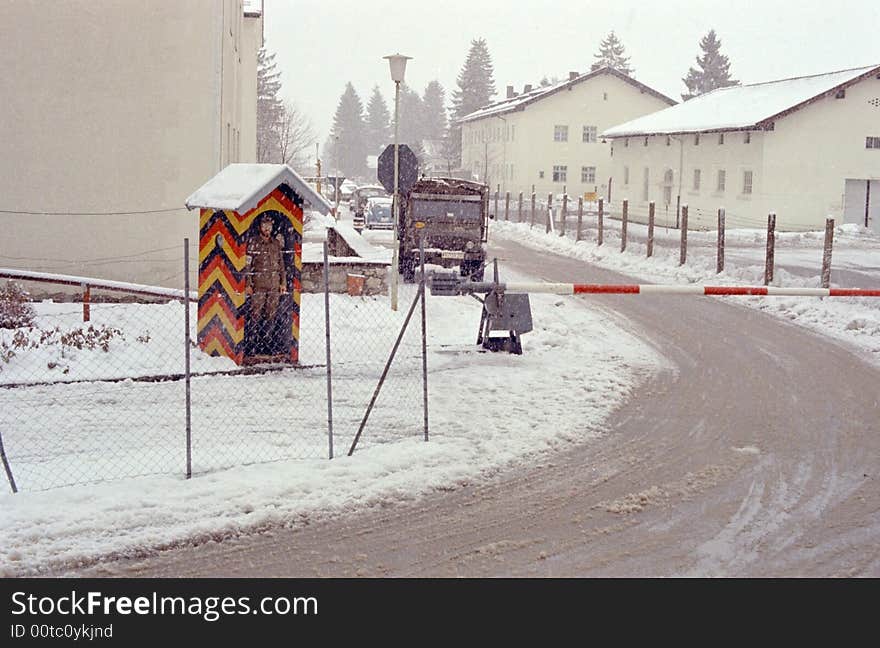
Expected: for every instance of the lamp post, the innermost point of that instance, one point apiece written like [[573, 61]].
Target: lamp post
[[397, 62]]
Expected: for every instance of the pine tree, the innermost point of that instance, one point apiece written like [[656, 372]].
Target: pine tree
[[411, 129], [434, 104], [270, 108], [610, 54], [476, 87], [713, 71], [346, 147], [378, 125]]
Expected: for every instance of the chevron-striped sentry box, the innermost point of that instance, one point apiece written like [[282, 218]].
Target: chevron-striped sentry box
[[231, 206]]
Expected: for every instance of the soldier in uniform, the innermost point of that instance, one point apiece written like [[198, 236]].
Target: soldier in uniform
[[265, 277]]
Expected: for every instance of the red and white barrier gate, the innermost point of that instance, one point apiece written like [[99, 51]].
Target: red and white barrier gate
[[660, 289]]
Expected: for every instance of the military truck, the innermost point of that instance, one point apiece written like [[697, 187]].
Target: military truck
[[452, 216]]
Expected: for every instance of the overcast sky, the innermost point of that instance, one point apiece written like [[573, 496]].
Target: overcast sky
[[322, 45]]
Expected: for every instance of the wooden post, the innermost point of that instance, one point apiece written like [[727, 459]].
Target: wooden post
[[771, 248], [623, 218], [650, 229], [549, 223], [564, 214], [532, 217], [826, 253], [519, 208], [684, 236], [87, 300], [719, 263], [601, 225], [506, 204], [496, 204], [678, 211], [580, 217]]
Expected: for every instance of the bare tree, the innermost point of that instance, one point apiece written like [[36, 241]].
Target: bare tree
[[295, 136]]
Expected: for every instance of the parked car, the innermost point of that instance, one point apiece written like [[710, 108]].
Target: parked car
[[377, 213], [346, 189], [361, 194]]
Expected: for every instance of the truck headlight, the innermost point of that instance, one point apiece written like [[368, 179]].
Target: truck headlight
[[469, 245]]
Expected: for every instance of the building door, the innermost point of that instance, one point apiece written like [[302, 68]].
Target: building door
[[861, 199]]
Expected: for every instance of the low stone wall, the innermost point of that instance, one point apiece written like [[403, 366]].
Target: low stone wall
[[376, 274]]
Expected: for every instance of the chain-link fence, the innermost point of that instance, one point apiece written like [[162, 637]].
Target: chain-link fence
[[154, 385]]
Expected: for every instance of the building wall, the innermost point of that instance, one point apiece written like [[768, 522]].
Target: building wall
[[671, 163], [518, 147], [112, 107], [799, 168], [816, 149], [252, 41]]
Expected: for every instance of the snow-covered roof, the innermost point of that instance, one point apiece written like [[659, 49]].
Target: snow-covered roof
[[520, 101], [239, 187], [741, 107]]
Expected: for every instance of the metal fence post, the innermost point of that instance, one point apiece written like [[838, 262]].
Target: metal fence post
[[719, 264], [6, 466], [187, 358], [650, 229], [496, 204], [506, 205], [580, 217], [684, 236], [601, 224], [771, 248], [623, 220], [424, 333], [327, 345], [826, 253]]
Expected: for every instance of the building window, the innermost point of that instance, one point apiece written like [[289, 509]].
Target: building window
[[541, 175], [720, 138], [589, 134], [840, 94], [626, 175], [625, 142], [560, 173], [747, 138], [645, 186], [646, 141], [696, 139], [588, 174], [604, 96], [696, 179], [872, 143], [722, 180], [668, 140], [747, 182], [560, 133]]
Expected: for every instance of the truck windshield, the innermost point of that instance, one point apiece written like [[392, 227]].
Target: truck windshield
[[446, 210], [380, 211]]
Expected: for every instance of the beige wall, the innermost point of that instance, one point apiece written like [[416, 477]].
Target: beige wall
[[518, 146], [252, 41], [798, 169], [111, 107]]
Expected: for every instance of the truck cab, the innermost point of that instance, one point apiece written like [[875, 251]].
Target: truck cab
[[452, 217]]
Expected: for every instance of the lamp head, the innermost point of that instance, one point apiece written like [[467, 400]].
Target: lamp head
[[398, 66]]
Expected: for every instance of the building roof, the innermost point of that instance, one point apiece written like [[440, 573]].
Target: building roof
[[239, 187], [520, 101], [744, 107]]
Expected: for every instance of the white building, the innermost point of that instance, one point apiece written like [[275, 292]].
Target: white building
[[112, 114], [548, 138], [805, 148]]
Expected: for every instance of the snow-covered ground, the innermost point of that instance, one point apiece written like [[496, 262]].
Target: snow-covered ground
[[488, 411], [853, 320]]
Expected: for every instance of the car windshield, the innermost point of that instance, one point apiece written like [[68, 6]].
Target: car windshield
[[380, 211]]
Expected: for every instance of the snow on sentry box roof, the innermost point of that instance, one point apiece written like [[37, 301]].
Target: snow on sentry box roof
[[239, 187], [739, 107]]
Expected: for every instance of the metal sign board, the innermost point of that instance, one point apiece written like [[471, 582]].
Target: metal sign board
[[408, 171]]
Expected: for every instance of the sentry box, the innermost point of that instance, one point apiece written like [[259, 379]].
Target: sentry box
[[250, 261]]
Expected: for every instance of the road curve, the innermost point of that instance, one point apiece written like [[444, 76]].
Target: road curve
[[758, 456]]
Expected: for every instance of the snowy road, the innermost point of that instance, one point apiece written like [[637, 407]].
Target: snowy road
[[756, 456]]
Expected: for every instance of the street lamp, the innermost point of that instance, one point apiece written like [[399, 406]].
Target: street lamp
[[397, 62]]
